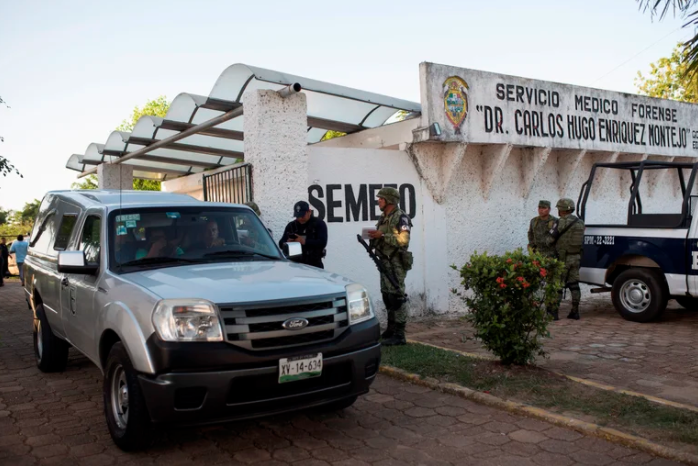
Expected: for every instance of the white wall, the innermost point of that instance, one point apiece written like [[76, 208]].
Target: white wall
[[500, 222], [363, 169]]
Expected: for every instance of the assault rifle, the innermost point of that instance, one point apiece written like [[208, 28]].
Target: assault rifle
[[381, 268]]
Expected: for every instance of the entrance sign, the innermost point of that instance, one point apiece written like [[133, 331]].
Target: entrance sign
[[486, 108]]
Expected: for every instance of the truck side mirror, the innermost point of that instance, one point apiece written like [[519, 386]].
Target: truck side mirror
[[74, 262], [292, 250]]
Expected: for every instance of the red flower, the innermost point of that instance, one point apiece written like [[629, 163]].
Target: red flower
[[502, 285], [543, 273], [520, 279], [526, 284], [500, 279], [509, 261], [536, 263]]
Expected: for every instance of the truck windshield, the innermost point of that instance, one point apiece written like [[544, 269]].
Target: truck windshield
[[162, 237]]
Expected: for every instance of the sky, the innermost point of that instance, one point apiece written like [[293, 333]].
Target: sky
[[71, 71]]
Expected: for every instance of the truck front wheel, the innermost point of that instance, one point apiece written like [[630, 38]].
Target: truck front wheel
[[124, 406], [639, 294]]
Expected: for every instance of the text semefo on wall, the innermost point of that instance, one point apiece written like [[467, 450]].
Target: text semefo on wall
[[337, 203], [479, 107]]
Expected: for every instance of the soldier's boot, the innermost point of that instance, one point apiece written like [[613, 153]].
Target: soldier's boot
[[390, 331], [574, 313], [398, 337], [555, 310], [576, 298]]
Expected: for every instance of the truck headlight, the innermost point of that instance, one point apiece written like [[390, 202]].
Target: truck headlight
[[358, 304], [187, 320]]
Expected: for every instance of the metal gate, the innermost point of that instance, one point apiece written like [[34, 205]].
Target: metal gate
[[233, 185]]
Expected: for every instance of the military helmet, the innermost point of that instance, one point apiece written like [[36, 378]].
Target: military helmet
[[391, 195], [565, 205], [253, 205]]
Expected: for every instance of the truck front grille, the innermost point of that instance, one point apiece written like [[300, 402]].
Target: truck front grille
[[259, 326]]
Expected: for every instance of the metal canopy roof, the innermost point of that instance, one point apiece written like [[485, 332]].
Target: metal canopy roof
[[330, 107]]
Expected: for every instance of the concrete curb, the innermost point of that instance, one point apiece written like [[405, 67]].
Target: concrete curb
[[586, 428], [589, 383]]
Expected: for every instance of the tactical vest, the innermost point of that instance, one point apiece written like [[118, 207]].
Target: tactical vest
[[310, 253], [389, 225]]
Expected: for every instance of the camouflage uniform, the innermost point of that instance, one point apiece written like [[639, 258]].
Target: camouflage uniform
[[253, 205], [568, 241], [392, 251], [538, 232]]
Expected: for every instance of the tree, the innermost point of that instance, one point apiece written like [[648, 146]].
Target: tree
[[89, 182], [29, 211], [20, 222], [6, 167], [146, 185], [331, 134], [157, 107], [687, 9], [669, 79]]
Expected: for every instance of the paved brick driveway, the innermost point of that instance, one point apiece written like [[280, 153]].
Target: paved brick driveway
[[56, 419], [658, 358]]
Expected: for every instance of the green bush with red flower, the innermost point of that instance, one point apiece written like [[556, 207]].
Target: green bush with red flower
[[507, 297]]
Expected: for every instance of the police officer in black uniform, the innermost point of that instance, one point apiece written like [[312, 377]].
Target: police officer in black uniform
[[310, 232]]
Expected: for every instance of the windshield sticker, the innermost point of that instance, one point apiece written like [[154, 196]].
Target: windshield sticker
[[130, 224], [121, 230], [173, 215], [124, 218]]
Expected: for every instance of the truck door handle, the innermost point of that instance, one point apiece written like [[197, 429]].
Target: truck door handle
[[65, 282]]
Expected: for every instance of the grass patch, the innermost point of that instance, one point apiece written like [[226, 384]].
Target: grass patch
[[537, 387]]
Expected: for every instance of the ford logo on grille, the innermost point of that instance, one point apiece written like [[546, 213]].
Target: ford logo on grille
[[296, 323]]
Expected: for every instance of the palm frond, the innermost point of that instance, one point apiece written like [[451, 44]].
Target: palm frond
[[661, 8]]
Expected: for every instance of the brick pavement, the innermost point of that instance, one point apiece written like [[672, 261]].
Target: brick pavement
[[57, 419], [658, 358]]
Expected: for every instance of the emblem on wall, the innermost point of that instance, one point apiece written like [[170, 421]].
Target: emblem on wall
[[455, 92]]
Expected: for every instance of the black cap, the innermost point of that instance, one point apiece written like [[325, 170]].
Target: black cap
[[300, 209]]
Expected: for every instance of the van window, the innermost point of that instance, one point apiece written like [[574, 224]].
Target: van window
[[65, 231], [90, 242], [44, 231], [171, 236]]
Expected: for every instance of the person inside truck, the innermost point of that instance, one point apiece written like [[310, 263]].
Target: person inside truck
[[158, 245], [211, 238], [125, 248]]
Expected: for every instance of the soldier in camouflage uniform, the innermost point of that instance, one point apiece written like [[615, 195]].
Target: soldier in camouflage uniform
[[539, 228], [390, 242], [253, 205], [568, 238]]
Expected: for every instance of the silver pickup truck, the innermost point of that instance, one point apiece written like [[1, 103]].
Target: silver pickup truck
[[191, 312]]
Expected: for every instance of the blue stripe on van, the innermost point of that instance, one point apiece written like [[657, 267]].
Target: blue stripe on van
[[670, 253]]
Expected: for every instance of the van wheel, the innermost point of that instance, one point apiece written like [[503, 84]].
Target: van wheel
[[51, 352], [689, 303], [639, 294], [338, 405], [124, 406]]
